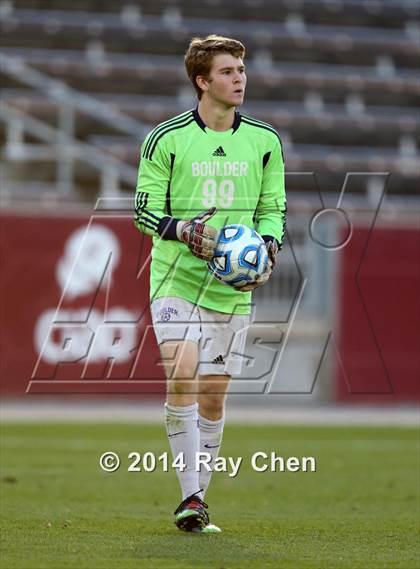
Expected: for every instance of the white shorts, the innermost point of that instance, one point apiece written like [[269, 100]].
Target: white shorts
[[220, 336]]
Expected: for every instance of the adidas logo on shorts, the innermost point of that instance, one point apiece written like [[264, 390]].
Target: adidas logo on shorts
[[219, 360], [219, 152]]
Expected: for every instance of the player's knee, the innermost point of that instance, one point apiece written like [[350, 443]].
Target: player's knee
[[184, 370], [212, 402], [179, 387]]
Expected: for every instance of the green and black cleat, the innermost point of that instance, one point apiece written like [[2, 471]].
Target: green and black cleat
[[191, 515]]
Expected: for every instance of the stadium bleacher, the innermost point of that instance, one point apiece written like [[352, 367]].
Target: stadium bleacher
[[338, 79]]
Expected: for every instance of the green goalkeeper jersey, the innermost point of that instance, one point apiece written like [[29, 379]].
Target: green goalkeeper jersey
[[186, 168]]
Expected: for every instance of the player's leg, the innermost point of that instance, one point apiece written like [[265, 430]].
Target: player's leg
[[221, 346], [177, 331], [181, 417], [211, 402], [181, 410], [180, 361], [212, 396]]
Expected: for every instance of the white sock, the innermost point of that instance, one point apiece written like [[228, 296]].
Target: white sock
[[184, 437], [211, 433]]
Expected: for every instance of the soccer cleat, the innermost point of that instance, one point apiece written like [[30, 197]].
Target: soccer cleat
[[191, 514]]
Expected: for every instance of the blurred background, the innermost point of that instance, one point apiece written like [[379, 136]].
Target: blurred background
[[82, 82]]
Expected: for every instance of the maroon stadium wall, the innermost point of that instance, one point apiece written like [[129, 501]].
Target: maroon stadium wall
[[78, 335], [378, 318]]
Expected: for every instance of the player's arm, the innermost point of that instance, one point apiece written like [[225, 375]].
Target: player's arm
[[150, 210], [270, 215]]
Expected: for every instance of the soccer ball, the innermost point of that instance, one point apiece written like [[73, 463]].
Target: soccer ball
[[240, 256]]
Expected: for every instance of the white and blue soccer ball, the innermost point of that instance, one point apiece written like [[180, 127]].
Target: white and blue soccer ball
[[240, 256]]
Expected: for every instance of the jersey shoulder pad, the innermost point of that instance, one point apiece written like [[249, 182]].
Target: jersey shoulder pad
[[163, 129], [251, 121]]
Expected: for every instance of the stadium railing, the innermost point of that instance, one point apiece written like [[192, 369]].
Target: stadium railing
[[64, 150], [114, 171]]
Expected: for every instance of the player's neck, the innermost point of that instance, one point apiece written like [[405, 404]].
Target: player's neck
[[216, 118]]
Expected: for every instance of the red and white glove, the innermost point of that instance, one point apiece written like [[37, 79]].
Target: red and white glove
[[200, 238], [272, 250]]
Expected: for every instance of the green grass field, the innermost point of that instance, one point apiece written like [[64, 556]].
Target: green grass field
[[359, 510]]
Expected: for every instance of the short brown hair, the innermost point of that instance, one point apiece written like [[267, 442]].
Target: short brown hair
[[201, 51]]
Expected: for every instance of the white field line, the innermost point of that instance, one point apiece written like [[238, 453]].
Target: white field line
[[152, 412]]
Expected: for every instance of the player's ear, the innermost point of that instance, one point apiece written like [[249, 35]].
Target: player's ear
[[202, 82]]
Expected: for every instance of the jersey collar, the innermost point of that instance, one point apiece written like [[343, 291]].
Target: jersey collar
[[203, 126]]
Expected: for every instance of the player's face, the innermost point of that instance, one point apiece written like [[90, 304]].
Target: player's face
[[227, 80]]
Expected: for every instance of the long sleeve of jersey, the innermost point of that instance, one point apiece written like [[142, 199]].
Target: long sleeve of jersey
[[151, 215], [270, 215]]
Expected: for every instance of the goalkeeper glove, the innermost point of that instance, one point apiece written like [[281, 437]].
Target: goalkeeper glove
[[200, 238], [272, 250]]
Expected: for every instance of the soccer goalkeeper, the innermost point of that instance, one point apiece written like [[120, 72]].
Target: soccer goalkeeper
[[199, 171]]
